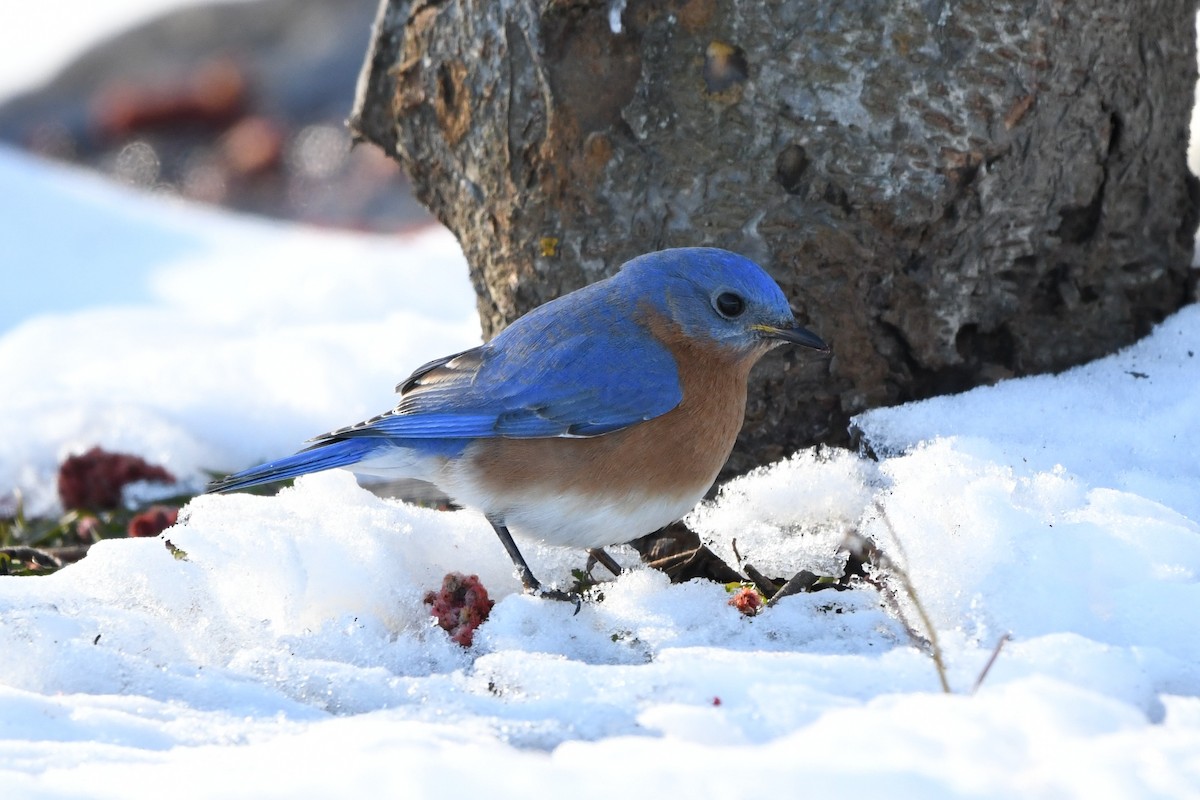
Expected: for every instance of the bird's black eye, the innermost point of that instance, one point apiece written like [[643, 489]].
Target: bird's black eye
[[729, 305]]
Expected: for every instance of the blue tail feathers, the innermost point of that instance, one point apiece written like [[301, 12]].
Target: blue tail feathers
[[335, 453]]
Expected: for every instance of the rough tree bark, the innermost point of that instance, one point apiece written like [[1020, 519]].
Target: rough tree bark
[[949, 192]]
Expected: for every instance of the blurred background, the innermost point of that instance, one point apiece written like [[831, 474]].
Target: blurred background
[[240, 104]]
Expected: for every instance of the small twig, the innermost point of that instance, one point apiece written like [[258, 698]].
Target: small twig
[[802, 581], [765, 585], [601, 557], [991, 660], [668, 563], [935, 650], [32, 555], [697, 563], [69, 553]]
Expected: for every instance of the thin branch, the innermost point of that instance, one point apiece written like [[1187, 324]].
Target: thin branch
[[32, 555], [935, 649], [991, 660]]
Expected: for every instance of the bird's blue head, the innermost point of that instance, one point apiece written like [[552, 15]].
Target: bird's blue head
[[718, 296]]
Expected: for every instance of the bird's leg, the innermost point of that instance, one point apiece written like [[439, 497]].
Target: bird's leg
[[605, 560], [523, 571], [526, 574]]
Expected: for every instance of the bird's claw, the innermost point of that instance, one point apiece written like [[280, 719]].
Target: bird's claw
[[559, 594]]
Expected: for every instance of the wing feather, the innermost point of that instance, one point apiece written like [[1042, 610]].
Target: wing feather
[[575, 370]]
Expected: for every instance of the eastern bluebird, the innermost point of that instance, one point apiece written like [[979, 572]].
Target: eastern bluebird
[[592, 420]]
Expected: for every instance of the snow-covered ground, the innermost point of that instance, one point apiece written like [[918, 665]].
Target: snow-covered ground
[[227, 339], [290, 654]]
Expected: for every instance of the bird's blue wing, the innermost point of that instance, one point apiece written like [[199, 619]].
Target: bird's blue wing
[[576, 371]]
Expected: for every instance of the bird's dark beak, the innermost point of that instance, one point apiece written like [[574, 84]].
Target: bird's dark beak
[[795, 335]]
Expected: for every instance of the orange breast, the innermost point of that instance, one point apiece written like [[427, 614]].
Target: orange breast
[[678, 453]]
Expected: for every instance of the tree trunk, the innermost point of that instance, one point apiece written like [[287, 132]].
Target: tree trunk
[[949, 192]]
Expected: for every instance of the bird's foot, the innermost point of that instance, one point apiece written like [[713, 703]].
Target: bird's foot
[[598, 555], [558, 594]]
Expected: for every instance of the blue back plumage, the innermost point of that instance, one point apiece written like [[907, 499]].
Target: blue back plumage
[[577, 366], [585, 364]]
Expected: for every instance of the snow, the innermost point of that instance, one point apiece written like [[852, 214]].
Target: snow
[[37, 40], [222, 340], [289, 652], [616, 9]]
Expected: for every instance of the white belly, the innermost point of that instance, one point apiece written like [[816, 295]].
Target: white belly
[[574, 519], [566, 519]]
